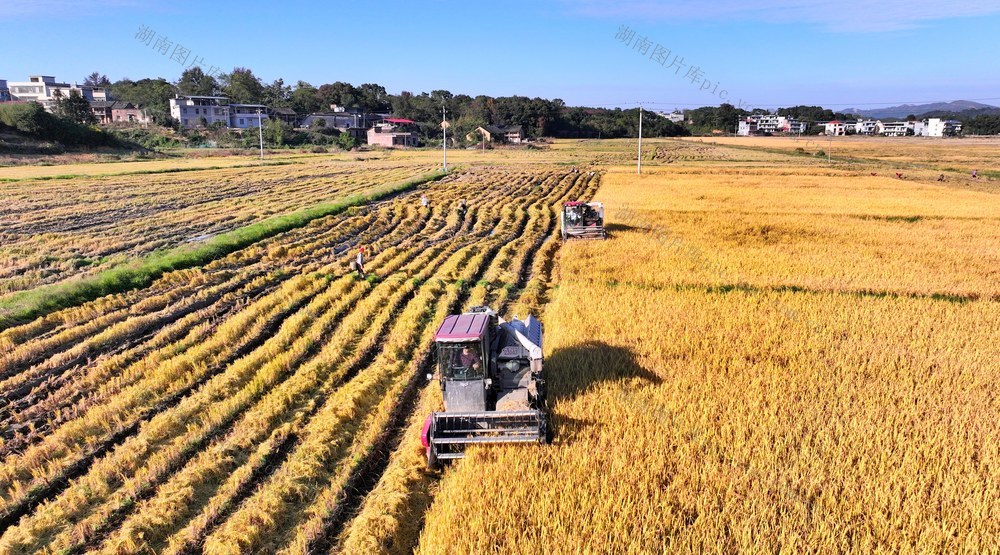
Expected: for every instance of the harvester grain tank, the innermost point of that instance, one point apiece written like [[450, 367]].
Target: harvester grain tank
[[490, 372]]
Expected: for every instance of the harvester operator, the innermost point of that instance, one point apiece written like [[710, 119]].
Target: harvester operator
[[469, 358]]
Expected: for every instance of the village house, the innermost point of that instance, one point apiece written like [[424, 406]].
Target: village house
[[513, 134], [769, 124], [117, 111], [868, 127], [200, 111], [897, 128], [393, 132], [835, 128], [243, 116], [937, 127], [45, 90]]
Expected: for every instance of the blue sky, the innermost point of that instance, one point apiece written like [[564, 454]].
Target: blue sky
[[838, 53]]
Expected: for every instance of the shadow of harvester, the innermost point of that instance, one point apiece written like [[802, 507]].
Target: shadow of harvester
[[571, 371], [617, 228]]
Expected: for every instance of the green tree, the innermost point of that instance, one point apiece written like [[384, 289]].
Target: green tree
[[339, 93], [97, 79], [372, 97], [305, 99], [75, 108], [195, 82], [275, 132], [346, 141], [153, 95], [277, 94], [242, 86]]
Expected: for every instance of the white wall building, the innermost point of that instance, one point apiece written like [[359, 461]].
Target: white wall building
[[760, 124], [197, 111], [937, 127], [835, 128], [868, 127], [242, 116], [675, 116], [746, 126], [897, 128], [45, 90]]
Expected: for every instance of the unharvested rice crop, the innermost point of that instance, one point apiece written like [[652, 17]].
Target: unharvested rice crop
[[770, 353]]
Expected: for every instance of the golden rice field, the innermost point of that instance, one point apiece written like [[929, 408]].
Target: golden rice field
[[760, 360], [770, 354], [48, 236]]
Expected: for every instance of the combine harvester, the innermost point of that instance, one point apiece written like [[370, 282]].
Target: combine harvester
[[582, 220], [496, 398]]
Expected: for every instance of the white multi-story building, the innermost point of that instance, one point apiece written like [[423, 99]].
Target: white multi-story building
[[770, 123], [937, 127], [45, 90], [243, 116], [675, 116], [760, 124], [835, 128], [4, 91], [897, 128], [746, 126], [797, 127], [200, 111], [868, 127]]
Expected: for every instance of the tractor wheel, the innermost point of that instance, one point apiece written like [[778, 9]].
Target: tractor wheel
[[432, 459]]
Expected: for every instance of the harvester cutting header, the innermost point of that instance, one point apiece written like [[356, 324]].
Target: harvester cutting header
[[491, 379]]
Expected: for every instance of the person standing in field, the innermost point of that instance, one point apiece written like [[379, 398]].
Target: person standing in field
[[975, 174], [423, 201], [359, 262]]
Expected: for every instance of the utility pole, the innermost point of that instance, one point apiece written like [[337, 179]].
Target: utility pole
[[444, 143], [260, 131], [638, 169]]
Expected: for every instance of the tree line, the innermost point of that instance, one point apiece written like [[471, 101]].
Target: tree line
[[537, 116]]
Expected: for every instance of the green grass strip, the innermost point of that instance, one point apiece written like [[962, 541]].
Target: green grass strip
[[26, 305]]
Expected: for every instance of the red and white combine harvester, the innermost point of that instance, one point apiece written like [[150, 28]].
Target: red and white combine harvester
[[490, 372]]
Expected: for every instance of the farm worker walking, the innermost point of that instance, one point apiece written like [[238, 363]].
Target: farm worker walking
[[423, 200], [360, 262], [975, 174], [462, 207]]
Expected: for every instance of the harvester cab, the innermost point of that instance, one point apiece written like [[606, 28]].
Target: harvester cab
[[582, 220], [490, 372]]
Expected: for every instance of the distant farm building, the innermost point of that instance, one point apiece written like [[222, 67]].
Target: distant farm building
[[45, 90], [393, 132], [769, 124], [937, 127], [513, 134], [835, 128], [117, 111]]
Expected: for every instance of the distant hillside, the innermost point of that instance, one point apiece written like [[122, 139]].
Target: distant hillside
[[900, 112]]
